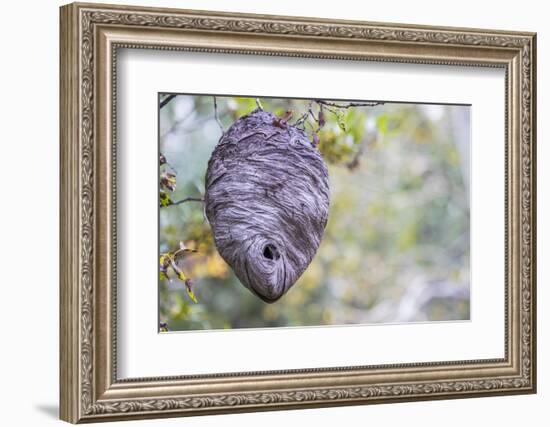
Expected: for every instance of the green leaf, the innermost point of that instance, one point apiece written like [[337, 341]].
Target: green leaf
[[382, 124], [164, 199], [164, 264], [340, 117]]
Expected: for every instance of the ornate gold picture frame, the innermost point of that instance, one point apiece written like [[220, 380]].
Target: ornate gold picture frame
[[91, 34]]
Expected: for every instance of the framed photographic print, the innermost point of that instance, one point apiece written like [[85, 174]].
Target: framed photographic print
[[266, 212]]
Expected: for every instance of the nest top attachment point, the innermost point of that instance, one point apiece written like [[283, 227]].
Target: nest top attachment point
[[267, 200]]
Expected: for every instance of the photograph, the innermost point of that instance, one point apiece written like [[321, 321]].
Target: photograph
[[293, 212]]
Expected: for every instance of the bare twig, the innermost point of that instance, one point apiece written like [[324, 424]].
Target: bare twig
[[301, 120], [216, 115], [259, 104], [187, 199], [166, 100], [348, 104], [179, 202]]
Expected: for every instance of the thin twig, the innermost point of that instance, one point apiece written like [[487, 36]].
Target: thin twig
[[301, 120], [259, 104], [349, 104], [166, 100], [179, 202], [332, 110], [216, 115], [187, 199]]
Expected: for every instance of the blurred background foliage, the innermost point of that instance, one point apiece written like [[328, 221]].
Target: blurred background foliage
[[396, 247]]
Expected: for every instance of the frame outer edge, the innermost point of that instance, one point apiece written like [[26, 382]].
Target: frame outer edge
[[533, 112], [69, 355], [78, 340]]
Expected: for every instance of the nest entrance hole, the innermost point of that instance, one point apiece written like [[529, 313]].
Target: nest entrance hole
[[271, 252]]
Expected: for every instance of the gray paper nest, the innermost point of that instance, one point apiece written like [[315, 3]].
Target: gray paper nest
[[267, 200]]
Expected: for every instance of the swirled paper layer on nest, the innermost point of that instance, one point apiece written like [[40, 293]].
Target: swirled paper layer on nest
[[267, 200]]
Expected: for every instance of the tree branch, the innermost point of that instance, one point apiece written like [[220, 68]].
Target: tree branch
[[259, 104], [216, 115], [166, 100], [349, 104], [187, 199]]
